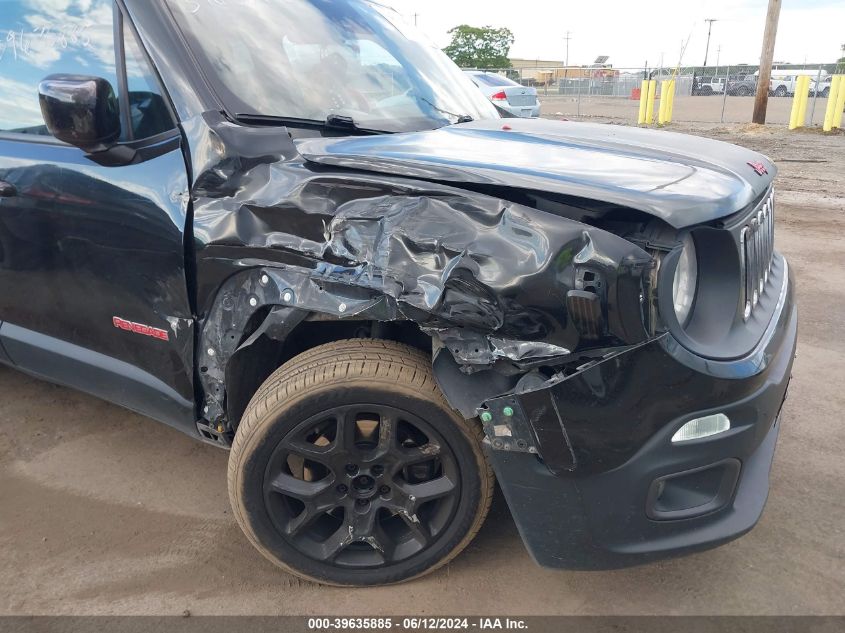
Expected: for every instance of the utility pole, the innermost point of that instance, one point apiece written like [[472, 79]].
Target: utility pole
[[567, 38], [566, 63], [416, 15], [709, 29], [718, 55], [761, 100]]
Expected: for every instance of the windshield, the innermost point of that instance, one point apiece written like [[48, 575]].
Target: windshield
[[309, 59]]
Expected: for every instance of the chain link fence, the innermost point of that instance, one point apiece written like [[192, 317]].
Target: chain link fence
[[723, 94]]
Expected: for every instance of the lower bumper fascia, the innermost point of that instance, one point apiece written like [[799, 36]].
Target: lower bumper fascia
[[586, 500], [559, 532]]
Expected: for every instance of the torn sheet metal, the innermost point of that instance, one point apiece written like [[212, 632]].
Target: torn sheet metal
[[486, 277], [477, 348], [530, 419]]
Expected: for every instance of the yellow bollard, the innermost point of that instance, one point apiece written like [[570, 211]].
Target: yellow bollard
[[804, 89], [664, 102], [796, 104], [840, 103], [832, 98], [671, 109], [643, 101], [649, 112]]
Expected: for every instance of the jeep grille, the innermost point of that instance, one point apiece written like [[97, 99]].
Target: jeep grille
[[757, 241]]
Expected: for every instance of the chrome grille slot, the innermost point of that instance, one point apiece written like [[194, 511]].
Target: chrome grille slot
[[757, 240]]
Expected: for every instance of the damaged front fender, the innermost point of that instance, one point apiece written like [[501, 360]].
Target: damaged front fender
[[497, 284]]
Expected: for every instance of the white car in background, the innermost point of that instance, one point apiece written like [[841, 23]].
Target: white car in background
[[785, 82], [710, 86], [822, 87], [521, 101]]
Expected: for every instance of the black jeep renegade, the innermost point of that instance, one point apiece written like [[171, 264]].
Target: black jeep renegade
[[294, 229]]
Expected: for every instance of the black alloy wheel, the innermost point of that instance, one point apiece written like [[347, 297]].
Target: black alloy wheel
[[350, 468], [362, 485]]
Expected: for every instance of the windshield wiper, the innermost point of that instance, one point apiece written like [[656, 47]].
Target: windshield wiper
[[461, 118], [340, 122], [272, 120], [331, 122]]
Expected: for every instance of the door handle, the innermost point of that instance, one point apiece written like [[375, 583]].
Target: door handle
[[7, 190]]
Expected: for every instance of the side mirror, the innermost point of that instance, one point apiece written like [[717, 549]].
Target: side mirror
[[81, 111]]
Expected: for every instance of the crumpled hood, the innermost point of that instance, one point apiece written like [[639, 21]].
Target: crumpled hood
[[681, 179]]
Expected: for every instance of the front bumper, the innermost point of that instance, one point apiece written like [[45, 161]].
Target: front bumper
[[591, 493]]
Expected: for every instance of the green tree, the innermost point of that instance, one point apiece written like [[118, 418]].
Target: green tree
[[480, 47]]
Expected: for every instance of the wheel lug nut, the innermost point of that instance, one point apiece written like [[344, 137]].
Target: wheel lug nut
[[352, 469], [342, 489], [384, 490]]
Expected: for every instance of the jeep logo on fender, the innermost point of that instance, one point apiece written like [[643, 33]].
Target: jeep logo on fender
[[139, 328]]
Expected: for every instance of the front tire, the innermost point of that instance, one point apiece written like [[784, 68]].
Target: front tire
[[349, 468]]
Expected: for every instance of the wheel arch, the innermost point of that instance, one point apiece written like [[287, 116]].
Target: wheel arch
[[261, 318], [250, 365]]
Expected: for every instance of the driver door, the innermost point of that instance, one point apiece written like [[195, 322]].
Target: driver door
[[93, 290]]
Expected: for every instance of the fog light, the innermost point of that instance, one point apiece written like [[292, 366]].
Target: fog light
[[702, 427]]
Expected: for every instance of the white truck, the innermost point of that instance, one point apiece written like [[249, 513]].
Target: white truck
[[709, 86], [783, 82], [822, 86]]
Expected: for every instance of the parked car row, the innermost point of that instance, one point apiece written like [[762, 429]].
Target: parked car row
[[782, 84], [739, 85]]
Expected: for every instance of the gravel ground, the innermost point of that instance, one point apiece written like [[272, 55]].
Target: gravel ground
[[103, 512]]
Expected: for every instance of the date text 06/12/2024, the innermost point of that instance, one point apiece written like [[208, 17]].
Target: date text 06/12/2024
[[417, 624]]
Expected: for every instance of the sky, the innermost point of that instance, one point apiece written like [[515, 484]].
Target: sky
[[632, 32], [38, 37]]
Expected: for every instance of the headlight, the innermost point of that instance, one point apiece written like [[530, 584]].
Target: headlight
[[686, 279]]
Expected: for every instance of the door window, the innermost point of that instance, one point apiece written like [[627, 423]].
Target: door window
[[41, 37], [148, 112]]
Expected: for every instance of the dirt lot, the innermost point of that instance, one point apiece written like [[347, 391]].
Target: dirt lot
[[102, 511]]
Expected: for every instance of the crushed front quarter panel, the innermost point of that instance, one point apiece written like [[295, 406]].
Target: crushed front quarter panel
[[488, 279]]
